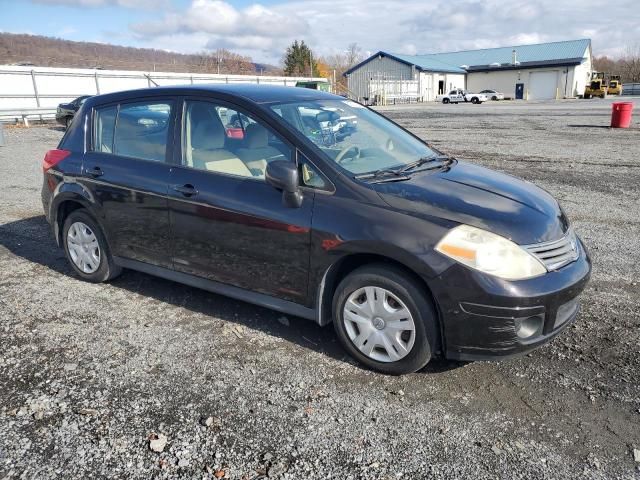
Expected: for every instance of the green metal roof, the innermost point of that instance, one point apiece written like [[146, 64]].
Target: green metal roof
[[541, 54], [429, 63]]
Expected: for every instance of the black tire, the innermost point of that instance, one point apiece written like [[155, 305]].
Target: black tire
[[475, 100], [445, 100], [107, 269], [410, 293], [494, 98]]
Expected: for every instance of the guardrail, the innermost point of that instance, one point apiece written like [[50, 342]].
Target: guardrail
[[17, 115], [631, 89]]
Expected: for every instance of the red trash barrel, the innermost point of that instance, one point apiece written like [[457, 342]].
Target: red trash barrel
[[621, 114]]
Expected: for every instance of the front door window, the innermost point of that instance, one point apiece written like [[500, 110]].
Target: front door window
[[219, 139]]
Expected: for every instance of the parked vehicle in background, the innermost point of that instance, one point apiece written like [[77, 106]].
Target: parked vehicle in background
[[66, 111], [410, 253], [615, 85], [314, 85], [598, 86], [458, 95], [493, 94]]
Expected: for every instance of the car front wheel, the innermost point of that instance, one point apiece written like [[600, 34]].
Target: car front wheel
[[445, 100], [86, 248], [384, 320]]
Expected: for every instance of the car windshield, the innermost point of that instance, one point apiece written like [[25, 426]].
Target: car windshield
[[353, 136]]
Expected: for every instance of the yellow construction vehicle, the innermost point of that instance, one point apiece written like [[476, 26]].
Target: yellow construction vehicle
[[598, 87], [615, 85]]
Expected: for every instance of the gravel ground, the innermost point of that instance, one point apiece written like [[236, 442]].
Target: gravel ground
[[89, 374]]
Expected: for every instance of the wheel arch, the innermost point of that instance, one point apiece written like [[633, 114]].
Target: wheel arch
[[65, 204], [349, 263]]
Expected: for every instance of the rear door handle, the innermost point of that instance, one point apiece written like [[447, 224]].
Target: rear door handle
[[94, 172], [187, 190]]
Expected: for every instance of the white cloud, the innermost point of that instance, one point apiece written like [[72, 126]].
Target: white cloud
[[410, 26], [256, 30]]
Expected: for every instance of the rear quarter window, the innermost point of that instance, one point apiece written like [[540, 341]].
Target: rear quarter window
[[104, 128]]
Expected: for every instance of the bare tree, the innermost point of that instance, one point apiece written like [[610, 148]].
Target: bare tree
[[605, 64], [341, 62], [353, 55], [631, 64], [56, 52]]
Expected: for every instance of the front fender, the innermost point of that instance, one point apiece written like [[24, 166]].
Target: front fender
[[345, 228]]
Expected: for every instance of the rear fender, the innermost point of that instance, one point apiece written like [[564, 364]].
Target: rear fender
[[70, 191]]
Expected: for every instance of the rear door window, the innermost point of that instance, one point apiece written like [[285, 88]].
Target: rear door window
[[142, 130]]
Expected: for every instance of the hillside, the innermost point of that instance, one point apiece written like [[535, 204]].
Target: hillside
[[55, 52]]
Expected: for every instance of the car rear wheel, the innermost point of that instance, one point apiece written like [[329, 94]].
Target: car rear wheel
[[475, 100], [445, 100], [494, 98], [384, 320], [86, 248]]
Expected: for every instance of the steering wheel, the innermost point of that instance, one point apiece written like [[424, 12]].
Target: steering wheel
[[340, 158]]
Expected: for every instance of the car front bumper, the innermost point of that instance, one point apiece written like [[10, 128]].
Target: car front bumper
[[482, 315]]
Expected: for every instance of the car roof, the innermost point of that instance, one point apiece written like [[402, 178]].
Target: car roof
[[249, 91]]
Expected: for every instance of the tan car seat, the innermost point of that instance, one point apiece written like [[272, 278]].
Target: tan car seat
[[257, 152], [207, 143]]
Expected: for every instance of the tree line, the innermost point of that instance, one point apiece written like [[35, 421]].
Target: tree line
[[298, 60], [627, 66], [23, 49]]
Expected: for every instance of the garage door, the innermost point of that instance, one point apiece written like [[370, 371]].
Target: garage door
[[543, 85]]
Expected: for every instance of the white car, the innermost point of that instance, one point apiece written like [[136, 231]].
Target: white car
[[493, 94], [458, 95]]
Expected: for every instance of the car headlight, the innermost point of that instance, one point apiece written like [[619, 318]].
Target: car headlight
[[489, 253]]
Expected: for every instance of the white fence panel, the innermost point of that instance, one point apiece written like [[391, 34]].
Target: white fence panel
[[46, 87]]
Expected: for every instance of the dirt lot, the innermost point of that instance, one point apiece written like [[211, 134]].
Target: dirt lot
[[89, 372]]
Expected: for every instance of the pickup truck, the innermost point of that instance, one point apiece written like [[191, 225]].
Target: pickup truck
[[458, 95]]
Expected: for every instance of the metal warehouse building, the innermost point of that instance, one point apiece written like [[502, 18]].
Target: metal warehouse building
[[532, 72]]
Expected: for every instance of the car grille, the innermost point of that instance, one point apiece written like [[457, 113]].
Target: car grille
[[557, 253]]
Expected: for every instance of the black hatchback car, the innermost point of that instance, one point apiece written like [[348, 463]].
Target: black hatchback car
[[66, 111], [263, 194]]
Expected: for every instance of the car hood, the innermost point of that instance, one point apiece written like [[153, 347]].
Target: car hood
[[474, 195]]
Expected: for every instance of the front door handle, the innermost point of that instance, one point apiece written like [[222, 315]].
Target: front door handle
[[187, 190], [95, 172]]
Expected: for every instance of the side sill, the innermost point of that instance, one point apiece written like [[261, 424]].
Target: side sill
[[248, 296]]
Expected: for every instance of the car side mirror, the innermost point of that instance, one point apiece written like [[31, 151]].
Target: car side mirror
[[283, 175]]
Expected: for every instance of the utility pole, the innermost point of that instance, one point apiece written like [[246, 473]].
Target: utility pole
[[310, 63]]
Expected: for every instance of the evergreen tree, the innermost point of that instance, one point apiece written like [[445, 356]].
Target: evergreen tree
[[297, 60]]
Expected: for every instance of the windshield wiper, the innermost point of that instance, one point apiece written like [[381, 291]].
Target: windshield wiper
[[393, 175], [422, 161], [398, 174]]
